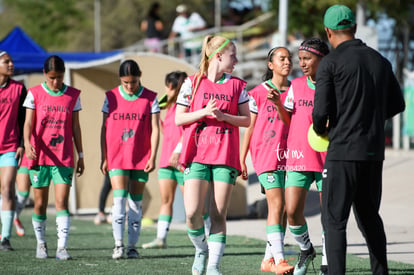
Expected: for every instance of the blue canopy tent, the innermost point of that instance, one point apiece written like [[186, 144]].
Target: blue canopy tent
[[29, 57]]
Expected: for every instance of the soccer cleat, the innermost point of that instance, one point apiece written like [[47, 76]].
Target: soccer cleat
[[199, 264], [62, 254], [283, 268], [156, 243], [324, 270], [213, 271], [41, 251], [305, 257], [99, 219], [118, 252], [19, 227], [268, 265], [5, 245]]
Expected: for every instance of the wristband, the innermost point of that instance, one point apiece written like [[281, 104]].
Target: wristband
[[178, 148], [80, 155]]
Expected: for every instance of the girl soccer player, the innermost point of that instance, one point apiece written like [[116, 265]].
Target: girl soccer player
[[168, 174], [12, 114], [22, 195], [129, 143], [212, 104], [267, 137], [22, 192], [303, 165], [52, 122]]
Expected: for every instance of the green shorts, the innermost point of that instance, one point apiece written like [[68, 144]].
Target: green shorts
[[23, 170], [41, 175], [138, 175], [272, 179], [210, 172], [303, 179], [171, 174]]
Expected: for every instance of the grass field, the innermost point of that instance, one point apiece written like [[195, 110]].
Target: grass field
[[91, 248]]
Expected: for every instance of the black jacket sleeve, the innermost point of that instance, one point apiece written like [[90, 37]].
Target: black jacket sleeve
[[324, 99]]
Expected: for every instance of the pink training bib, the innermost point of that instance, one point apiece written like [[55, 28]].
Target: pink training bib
[[269, 139], [300, 156], [128, 130], [52, 134], [9, 109], [171, 137], [208, 140]]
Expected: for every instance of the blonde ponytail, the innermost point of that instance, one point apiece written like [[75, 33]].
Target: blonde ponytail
[[211, 45]]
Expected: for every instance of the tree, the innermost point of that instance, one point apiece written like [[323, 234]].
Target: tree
[[306, 17], [46, 21], [69, 25]]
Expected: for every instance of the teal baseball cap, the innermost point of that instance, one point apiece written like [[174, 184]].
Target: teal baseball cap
[[339, 17]]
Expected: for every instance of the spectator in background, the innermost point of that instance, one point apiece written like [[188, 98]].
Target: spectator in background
[[153, 27], [185, 24]]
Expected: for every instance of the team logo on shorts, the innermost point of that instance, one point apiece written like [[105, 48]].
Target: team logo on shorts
[[35, 178], [187, 171], [270, 178]]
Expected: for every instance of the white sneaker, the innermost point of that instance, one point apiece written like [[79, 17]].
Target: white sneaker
[[41, 251], [118, 252], [62, 254]]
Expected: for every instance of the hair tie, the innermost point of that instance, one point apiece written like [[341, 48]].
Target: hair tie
[[311, 50], [3, 53], [219, 48]]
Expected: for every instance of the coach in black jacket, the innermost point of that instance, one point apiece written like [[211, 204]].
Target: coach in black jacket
[[356, 92]]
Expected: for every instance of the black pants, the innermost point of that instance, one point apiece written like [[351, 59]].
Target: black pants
[[106, 188], [357, 184]]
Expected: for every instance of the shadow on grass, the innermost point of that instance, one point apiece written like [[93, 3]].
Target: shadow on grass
[[243, 253], [388, 244], [367, 271]]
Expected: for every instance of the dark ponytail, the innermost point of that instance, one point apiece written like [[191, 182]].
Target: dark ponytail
[[129, 68], [54, 63]]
